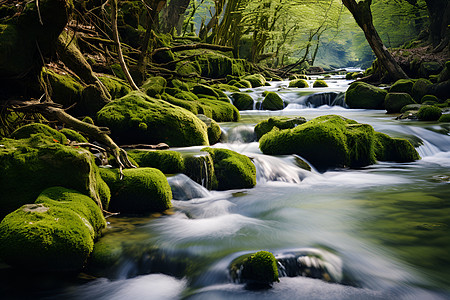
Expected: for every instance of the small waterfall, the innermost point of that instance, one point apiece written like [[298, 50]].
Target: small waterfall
[[242, 134], [325, 98], [184, 188], [270, 168]]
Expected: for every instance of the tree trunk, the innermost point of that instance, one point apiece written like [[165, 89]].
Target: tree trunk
[[363, 16], [439, 15], [172, 13]]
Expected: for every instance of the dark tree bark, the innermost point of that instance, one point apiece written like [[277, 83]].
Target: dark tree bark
[[363, 16], [439, 15], [171, 15]]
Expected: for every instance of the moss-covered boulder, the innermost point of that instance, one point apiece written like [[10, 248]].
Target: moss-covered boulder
[[27, 131], [257, 270], [420, 88], [154, 86], [141, 191], [64, 89], [402, 86], [445, 73], [364, 95], [298, 83], [394, 149], [256, 80], [73, 135], [232, 170], [395, 101], [429, 113], [200, 168], [42, 162], [410, 107], [428, 68], [168, 162], [56, 233], [126, 117], [220, 111], [272, 101], [116, 87], [213, 64], [444, 118], [326, 142], [242, 101], [201, 89], [214, 130], [265, 126], [429, 99], [320, 83]]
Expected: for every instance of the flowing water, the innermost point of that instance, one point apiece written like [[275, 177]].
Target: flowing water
[[382, 232]]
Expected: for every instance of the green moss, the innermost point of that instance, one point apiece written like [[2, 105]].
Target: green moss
[[88, 120], [168, 162], [402, 86], [190, 105], [27, 131], [226, 87], [141, 191], [393, 149], [410, 107], [420, 88], [166, 123], [73, 135], [349, 76], [116, 87], [444, 118], [220, 111], [272, 101], [320, 83], [186, 95], [429, 113], [201, 89], [45, 237], [265, 126], [232, 170], [43, 163], [77, 202], [364, 95], [200, 168], [394, 102], [244, 83], [260, 268], [242, 101], [154, 86], [429, 98], [256, 80], [327, 142], [298, 83], [64, 89], [214, 130]]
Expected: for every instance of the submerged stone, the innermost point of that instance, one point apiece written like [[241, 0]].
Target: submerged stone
[[320, 83], [394, 149], [258, 270], [298, 83], [364, 95], [429, 113]]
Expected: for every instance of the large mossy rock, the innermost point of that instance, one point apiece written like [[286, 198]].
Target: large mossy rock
[[242, 101], [429, 113], [116, 87], [232, 170], [213, 64], [420, 88], [56, 233], [320, 83], [328, 142], [140, 191], [298, 83], [64, 89], [256, 80], [137, 118], [402, 86], [364, 95], [41, 162], [214, 130], [394, 149], [394, 102], [272, 101], [154, 86], [168, 162], [265, 126]]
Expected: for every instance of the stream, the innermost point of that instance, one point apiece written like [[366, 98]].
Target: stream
[[382, 231]]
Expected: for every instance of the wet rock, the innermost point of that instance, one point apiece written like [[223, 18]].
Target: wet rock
[[429, 113], [364, 95], [320, 83], [394, 102], [272, 101], [242, 101], [298, 83], [265, 126], [258, 270]]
